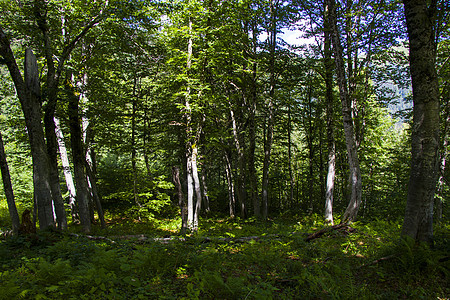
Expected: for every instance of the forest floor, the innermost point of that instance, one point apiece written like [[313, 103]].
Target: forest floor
[[226, 259]]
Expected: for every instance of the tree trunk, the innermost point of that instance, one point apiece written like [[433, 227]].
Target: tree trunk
[[15, 222], [241, 165], [252, 133], [79, 161], [51, 94], [146, 159], [52, 146], [50, 132], [191, 145], [205, 191], [328, 61], [270, 113], [310, 144], [350, 140], [420, 18], [230, 184], [54, 72], [291, 173], [66, 168], [197, 188], [133, 142], [91, 172], [181, 202], [442, 170], [28, 91], [190, 192], [266, 165]]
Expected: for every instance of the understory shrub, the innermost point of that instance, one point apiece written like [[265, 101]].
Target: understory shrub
[[227, 265]]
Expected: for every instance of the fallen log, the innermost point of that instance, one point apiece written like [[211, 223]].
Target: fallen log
[[342, 227], [377, 261], [142, 238]]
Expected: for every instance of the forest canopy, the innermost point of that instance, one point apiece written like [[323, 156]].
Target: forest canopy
[[197, 108]]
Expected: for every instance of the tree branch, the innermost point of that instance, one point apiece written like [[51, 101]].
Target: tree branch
[[72, 44], [9, 60]]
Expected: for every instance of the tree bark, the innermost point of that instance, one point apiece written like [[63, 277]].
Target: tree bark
[[79, 161], [145, 141], [50, 131], [28, 92], [15, 222], [328, 64], [66, 169], [241, 165], [442, 169], [191, 148], [310, 145], [92, 182], [197, 187], [291, 173], [181, 201], [205, 191], [252, 134], [350, 139], [133, 141], [230, 184], [190, 192], [420, 19], [270, 113]]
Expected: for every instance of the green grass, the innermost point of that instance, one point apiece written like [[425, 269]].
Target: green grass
[[280, 264]]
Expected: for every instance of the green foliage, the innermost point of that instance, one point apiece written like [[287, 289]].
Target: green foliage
[[151, 205], [415, 261], [17, 150], [5, 219], [152, 194]]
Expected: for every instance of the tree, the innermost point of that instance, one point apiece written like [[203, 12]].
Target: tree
[[28, 91], [66, 169], [190, 91], [8, 189], [78, 157], [328, 77], [272, 43], [181, 201], [350, 137], [48, 39], [420, 20], [40, 11]]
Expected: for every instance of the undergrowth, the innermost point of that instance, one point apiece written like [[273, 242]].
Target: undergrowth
[[221, 262]]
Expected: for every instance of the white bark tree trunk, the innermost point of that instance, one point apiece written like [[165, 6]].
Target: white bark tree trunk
[[331, 175], [197, 188], [350, 138], [191, 147], [230, 184], [66, 169]]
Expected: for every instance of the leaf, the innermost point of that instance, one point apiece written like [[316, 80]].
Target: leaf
[[52, 288], [125, 267], [132, 281]]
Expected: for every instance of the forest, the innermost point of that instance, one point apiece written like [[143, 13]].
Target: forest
[[188, 149]]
